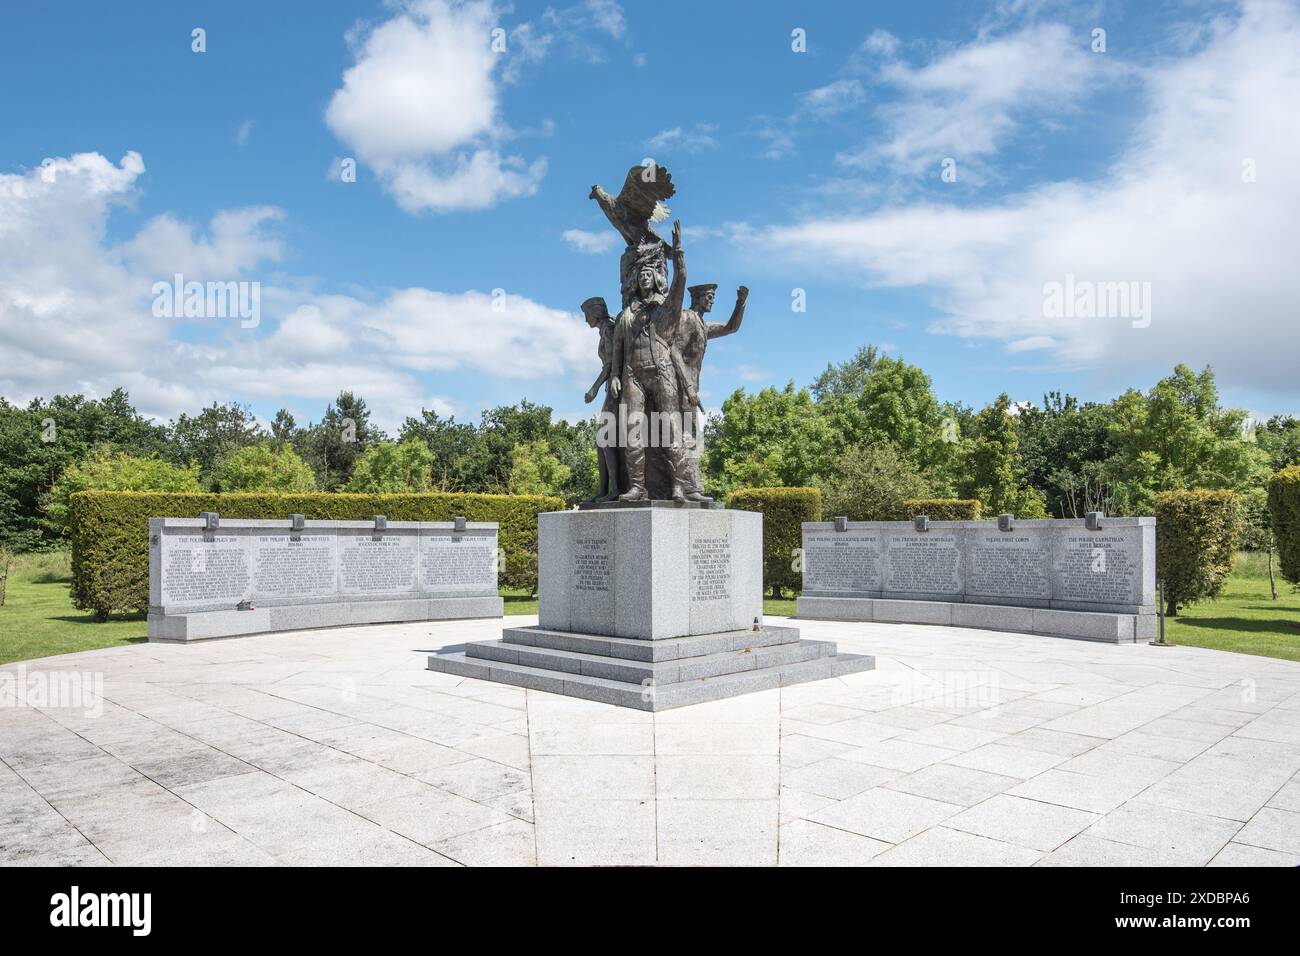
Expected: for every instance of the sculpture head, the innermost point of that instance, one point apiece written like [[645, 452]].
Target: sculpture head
[[702, 297], [649, 272], [595, 311]]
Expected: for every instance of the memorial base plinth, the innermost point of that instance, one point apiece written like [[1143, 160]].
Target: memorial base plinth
[[650, 674], [650, 607], [1048, 622], [206, 625]]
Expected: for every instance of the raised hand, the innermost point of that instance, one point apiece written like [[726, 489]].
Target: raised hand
[[742, 293]]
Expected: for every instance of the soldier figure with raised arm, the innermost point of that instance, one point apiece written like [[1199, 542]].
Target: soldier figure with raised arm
[[643, 341]]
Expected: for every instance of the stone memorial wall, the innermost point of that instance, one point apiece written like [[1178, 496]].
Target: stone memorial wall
[[953, 568], [244, 576]]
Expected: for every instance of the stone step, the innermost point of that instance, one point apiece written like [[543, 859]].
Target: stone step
[[641, 649], [653, 696], [661, 672]]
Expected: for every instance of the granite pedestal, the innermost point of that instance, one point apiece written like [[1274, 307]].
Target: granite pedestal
[[651, 608]]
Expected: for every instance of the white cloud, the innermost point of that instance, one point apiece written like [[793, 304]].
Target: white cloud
[[607, 15], [472, 181], [236, 241], [696, 139], [592, 243], [75, 311], [968, 101], [834, 97], [421, 106], [244, 131], [777, 135], [1172, 211]]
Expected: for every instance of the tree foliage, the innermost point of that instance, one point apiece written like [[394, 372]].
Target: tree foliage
[[1198, 532], [393, 467], [872, 483], [262, 467], [109, 470]]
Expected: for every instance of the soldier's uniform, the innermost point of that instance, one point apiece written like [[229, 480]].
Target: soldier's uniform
[[643, 352]]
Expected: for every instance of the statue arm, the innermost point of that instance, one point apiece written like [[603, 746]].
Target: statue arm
[[677, 291], [614, 370], [715, 330], [600, 380]]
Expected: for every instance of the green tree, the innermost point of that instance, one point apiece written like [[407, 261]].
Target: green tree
[[1177, 436], [391, 467], [38, 442], [1198, 532], [501, 429], [283, 426], [993, 472], [263, 467], [1064, 448], [212, 435], [873, 398], [452, 446], [1279, 439], [108, 469], [536, 471], [343, 435], [872, 483], [574, 446], [770, 439]]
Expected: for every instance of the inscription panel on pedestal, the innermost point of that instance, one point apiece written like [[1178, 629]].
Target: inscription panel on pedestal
[[842, 561], [591, 578], [924, 563], [1009, 565], [710, 568]]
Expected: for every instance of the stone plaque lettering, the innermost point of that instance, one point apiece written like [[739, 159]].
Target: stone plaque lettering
[[377, 564], [1006, 564], [294, 565], [198, 570], [1097, 567], [842, 561], [457, 562], [926, 563], [593, 563], [710, 560]]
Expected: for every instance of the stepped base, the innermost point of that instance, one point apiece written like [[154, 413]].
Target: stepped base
[[649, 675]]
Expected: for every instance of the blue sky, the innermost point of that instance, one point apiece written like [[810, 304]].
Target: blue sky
[[818, 170]]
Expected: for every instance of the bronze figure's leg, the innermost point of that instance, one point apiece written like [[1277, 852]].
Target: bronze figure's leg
[[634, 406]]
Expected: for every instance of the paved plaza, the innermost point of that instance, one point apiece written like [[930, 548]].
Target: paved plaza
[[963, 747]]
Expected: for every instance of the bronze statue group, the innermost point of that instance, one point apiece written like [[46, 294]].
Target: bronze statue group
[[651, 353]]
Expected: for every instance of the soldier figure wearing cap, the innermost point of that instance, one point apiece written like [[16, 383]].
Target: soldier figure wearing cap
[[643, 340], [598, 317], [689, 342]]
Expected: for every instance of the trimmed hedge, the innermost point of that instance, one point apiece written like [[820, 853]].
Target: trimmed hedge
[[110, 530], [1284, 508], [941, 509], [1197, 535], [784, 510]]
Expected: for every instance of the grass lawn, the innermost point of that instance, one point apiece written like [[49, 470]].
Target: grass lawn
[[1244, 618], [38, 619]]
